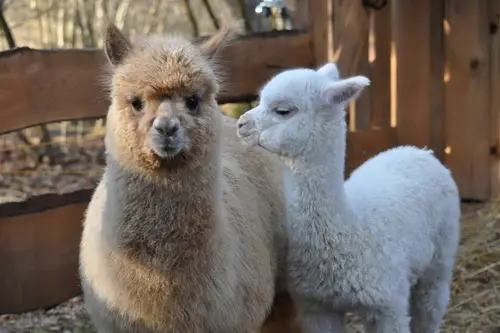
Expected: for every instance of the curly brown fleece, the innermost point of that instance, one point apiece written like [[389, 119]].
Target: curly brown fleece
[[191, 243]]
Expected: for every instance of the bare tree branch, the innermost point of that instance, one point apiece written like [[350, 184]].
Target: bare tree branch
[[34, 17], [210, 11], [121, 13], [60, 26], [192, 18], [241, 4], [4, 27], [153, 24], [84, 13], [83, 31], [89, 14], [4, 4]]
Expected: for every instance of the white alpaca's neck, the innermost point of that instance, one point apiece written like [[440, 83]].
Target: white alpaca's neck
[[316, 179]]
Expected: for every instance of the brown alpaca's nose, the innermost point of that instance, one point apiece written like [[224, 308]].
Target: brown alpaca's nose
[[166, 126]]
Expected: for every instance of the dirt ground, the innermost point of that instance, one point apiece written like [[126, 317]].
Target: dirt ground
[[475, 301]]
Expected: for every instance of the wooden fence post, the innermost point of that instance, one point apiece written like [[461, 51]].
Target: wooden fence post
[[321, 28], [467, 95], [494, 27], [418, 33], [381, 69], [349, 48]]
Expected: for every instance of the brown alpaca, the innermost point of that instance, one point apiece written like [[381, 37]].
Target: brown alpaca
[[184, 231]]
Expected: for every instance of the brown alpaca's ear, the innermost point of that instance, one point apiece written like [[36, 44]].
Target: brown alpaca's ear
[[116, 46], [215, 43]]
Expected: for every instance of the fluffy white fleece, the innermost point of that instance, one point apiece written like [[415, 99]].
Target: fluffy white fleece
[[382, 244]]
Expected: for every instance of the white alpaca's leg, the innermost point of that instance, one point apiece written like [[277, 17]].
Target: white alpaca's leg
[[431, 295], [389, 315], [314, 319], [389, 320], [429, 302]]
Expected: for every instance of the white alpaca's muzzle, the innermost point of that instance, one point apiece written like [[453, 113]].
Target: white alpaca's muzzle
[[247, 131]]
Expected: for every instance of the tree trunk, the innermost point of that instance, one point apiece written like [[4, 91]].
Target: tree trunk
[[4, 26], [192, 18], [211, 13]]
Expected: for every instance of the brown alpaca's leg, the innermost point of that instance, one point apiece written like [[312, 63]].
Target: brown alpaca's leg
[[283, 316]]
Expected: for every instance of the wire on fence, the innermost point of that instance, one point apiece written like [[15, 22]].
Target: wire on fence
[[86, 138], [53, 172]]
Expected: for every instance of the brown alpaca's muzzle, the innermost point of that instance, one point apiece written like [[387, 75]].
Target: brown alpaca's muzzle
[[167, 136]]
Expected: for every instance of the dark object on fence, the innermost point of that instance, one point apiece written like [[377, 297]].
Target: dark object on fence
[[266, 8], [494, 24], [375, 4], [493, 28]]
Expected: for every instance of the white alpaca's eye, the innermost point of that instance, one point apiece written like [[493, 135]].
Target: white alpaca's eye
[[282, 111]]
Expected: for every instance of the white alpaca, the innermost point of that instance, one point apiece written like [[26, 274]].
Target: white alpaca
[[382, 244]]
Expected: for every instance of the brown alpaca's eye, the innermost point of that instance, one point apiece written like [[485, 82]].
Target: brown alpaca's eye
[[192, 102], [137, 104]]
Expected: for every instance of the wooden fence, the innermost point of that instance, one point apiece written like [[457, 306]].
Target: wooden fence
[[434, 66]]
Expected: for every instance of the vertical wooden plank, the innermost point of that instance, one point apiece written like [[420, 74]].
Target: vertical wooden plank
[[300, 15], [350, 35], [467, 97], [350, 31], [381, 70], [363, 103], [436, 86], [321, 28], [417, 30], [494, 22]]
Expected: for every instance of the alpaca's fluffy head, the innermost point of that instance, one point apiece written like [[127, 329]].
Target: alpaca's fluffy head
[[293, 103], [164, 113]]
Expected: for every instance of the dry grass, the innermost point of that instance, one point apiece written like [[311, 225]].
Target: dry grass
[[475, 305]]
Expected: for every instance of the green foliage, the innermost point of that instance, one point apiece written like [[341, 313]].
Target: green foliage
[[235, 110]]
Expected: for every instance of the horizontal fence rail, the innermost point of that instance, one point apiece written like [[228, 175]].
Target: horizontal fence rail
[[42, 86]]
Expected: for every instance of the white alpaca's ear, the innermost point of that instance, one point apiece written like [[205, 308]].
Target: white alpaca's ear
[[330, 70], [344, 91]]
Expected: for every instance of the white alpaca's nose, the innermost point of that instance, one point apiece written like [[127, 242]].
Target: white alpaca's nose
[[247, 131], [241, 122], [244, 122]]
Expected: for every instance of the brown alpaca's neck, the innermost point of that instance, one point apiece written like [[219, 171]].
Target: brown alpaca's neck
[[167, 224]]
